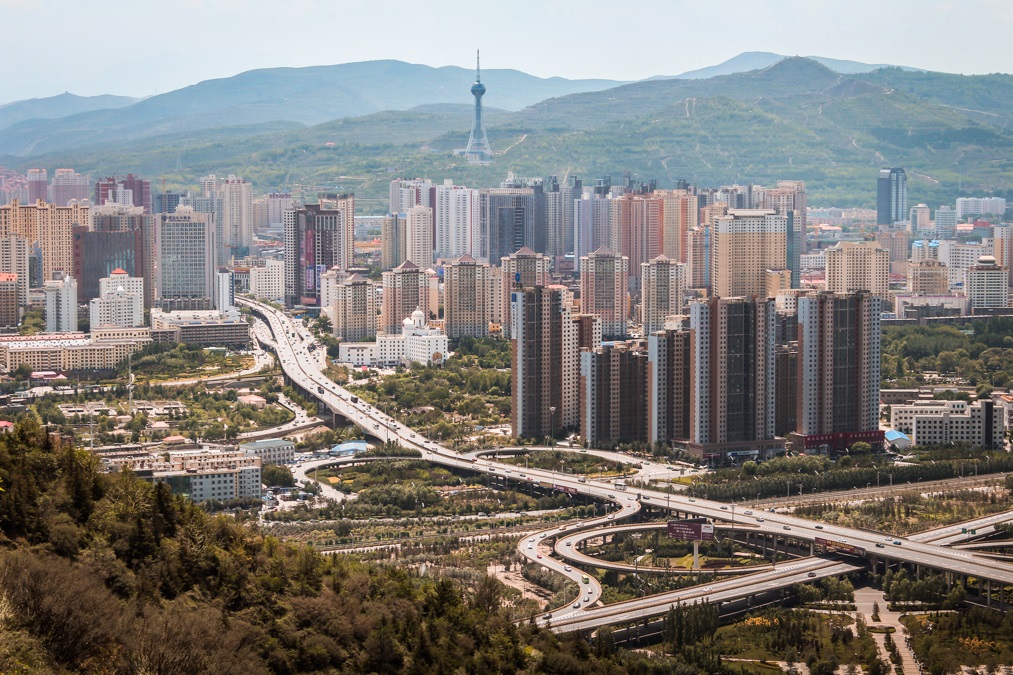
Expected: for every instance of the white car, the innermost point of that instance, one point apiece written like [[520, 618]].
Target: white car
[[567, 568]]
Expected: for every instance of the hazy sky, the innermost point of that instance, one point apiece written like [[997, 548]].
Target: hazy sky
[[144, 47]]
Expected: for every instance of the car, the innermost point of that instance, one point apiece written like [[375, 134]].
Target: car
[[567, 568], [612, 516], [546, 616], [522, 475], [819, 527], [811, 574], [412, 436], [748, 513], [530, 546], [587, 599], [576, 605], [647, 497], [724, 508], [691, 499], [541, 536], [759, 520], [491, 469], [888, 539], [896, 542], [531, 539], [567, 543], [880, 545], [539, 556], [709, 589], [611, 496], [785, 528], [670, 468], [629, 498]]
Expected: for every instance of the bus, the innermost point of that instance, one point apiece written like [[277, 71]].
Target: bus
[[584, 579]]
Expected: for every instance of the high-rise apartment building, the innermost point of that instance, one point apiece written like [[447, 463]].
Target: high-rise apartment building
[[127, 191], [353, 312], [669, 376], [920, 219], [638, 230], [68, 185], [681, 214], [896, 243], [698, 257], [184, 255], [317, 238], [38, 185], [732, 402], [959, 257], [50, 226], [237, 214], [268, 280], [790, 200], [570, 190], [457, 219], [927, 277], [419, 235], [544, 362], [404, 194], [858, 266], [838, 370], [613, 386], [987, 284], [393, 241], [604, 275], [61, 304], [662, 292], [10, 312], [980, 206], [891, 196], [592, 223], [523, 268], [945, 223], [745, 244], [14, 260], [467, 293], [508, 221], [402, 295], [554, 223], [120, 301]]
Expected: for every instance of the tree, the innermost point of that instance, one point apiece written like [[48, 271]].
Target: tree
[[277, 476], [22, 372]]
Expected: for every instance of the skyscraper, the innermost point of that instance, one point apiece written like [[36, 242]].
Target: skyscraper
[[524, 268], [987, 284], [317, 238], [132, 190], [858, 266], [669, 377], [662, 291], [61, 304], [838, 369], [681, 214], [507, 221], [38, 185], [604, 275], [419, 235], [51, 226], [184, 254], [237, 214], [457, 218], [68, 185], [613, 386], [402, 295], [637, 230], [891, 196], [353, 312], [745, 244], [467, 291], [393, 241], [478, 150]]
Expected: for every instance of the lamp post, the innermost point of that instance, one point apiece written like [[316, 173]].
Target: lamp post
[[552, 423]]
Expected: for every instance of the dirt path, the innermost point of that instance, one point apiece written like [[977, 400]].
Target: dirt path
[[514, 579]]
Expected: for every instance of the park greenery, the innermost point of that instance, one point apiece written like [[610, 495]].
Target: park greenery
[[164, 362], [569, 461], [975, 637]]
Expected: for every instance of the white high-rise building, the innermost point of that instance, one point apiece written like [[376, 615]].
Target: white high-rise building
[[61, 305], [457, 217], [419, 235], [662, 292], [268, 281], [958, 257], [237, 211], [225, 290], [184, 255], [858, 266], [980, 206], [404, 194], [987, 284], [120, 301], [604, 279]]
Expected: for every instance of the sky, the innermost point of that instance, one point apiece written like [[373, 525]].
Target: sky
[[146, 47]]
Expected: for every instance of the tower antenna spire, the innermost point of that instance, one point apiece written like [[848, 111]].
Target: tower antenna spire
[[478, 66], [478, 150]]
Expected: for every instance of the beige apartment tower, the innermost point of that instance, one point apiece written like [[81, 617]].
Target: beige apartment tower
[[928, 277], [745, 244], [354, 309], [524, 268], [662, 292], [49, 225], [858, 266], [603, 290], [467, 286]]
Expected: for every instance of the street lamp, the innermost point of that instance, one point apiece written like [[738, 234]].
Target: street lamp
[[552, 422]]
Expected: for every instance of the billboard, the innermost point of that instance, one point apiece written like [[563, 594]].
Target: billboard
[[844, 547], [564, 488], [690, 530]]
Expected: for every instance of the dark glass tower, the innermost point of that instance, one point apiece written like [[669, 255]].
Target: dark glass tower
[[891, 196], [478, 151]]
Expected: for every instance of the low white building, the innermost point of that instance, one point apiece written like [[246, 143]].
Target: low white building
[[902, 417], [980, 425], [417, 343], [120, 301], [268, 281], [271, 450]]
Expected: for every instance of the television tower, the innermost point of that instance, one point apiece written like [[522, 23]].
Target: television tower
[[478, 150]]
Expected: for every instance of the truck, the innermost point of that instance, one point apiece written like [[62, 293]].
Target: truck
[[581, 479], [620, 485]]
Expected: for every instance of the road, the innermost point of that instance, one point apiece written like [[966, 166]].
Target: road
[[302, 367]]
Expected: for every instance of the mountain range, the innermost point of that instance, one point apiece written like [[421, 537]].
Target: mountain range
[[795, 118]]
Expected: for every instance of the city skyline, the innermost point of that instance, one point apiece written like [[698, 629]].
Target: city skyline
[[563, 44]]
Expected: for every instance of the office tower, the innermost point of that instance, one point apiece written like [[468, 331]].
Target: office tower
[[663, 290], [525, 269], [980, 206], [927, 277], [419, 235], [698, 257], [838, 369], [61, 304], [858, 266], [669, 376], [38, 186], [478, 150], [570, 190], [946, 223], [98, 253], [919, 220], [746, 243], [48, 225], [184, 256], [637, 224], [68, 185], [393, 241], [166, 202], [225, 290], [508, 219], [405, 194], [268, 281], [353, 312], [317, 238], [891, 196], [120, 301], [896, 243], [603, 290], [544, 362], [592, 224], [10, 312], [681, 214], [457, 219], [613, 404], [237, 213], [732, 391], [14, 260], [467, 289], [129, 190], [401, 296], [987, 284]]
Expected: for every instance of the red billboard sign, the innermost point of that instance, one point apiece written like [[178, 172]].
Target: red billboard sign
[[690, 530], [844, 547]]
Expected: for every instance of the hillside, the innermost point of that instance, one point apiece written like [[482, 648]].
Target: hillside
[[794, 119], [747, 61], [307, 96], [62, 105]]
